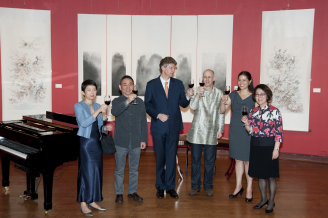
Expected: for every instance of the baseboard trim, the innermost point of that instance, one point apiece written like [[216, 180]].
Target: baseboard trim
[[284, 156]]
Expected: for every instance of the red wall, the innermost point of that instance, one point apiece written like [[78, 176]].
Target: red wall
[[246, 48]]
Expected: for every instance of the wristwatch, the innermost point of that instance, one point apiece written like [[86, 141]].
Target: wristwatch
[[276, 149]]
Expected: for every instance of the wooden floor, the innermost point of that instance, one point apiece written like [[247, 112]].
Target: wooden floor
[[301, 192]]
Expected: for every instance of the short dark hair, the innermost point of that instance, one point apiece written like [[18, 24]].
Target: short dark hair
[[126, 77], [249, 77], [265, 89], [166, 61], [88, 82]]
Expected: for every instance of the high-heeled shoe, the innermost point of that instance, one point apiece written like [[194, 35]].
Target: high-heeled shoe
[[258, 206], [86, 214], [270, 211], [249, 200], [100, 208], [240, 192]]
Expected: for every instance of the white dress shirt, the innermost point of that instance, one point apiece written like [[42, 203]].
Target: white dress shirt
[[168, 84], [163, 82]]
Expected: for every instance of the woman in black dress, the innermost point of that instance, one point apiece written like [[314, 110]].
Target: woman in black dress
[[264, 123], [89, 118]]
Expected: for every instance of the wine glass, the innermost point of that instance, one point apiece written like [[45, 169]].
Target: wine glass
[[107, 101], [244, 111], [227, 92], [191, 83], [135, 91], [201, 83]]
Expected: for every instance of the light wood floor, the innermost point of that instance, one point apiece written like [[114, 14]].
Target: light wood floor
[[301, 192]]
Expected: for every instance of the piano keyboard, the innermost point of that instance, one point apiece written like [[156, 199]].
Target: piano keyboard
[[17, 149]]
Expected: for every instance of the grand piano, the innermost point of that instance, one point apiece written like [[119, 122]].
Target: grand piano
[[38, 144]]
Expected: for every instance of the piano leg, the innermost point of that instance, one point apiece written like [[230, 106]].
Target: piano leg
[[30, 183], [5, 171], [48, 174]]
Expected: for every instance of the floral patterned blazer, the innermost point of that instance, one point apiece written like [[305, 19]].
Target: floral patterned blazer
[[266, 122]]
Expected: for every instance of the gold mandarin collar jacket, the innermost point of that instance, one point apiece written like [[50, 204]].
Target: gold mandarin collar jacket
[[207, 118]]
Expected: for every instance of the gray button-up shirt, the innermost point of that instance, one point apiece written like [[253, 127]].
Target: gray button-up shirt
[[130, 123], [207, 118]]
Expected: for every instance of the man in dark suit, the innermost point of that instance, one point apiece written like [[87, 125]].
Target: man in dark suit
[[163, 97]]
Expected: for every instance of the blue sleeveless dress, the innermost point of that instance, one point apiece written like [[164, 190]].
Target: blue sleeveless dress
[[90, 179]]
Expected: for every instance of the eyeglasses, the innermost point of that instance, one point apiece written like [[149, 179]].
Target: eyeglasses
[[260, 95]]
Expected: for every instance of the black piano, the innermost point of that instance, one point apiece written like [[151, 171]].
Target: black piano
[[38, 144]]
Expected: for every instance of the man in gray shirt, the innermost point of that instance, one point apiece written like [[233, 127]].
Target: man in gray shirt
[[130, 136]]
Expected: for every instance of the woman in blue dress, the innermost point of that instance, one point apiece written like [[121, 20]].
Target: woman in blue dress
[[90, 121], [239, 140]]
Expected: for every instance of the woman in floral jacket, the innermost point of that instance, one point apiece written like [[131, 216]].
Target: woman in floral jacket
[[264, 123]]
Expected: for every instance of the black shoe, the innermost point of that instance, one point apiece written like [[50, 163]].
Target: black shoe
[[172, 193], [270, 211], [240, 192], [249, 200], [100, 208], [258, 206], [86, 214], [119, 199], [135, 197], [160, 193]]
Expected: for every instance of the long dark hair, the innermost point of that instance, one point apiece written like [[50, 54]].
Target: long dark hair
[[249, 77]]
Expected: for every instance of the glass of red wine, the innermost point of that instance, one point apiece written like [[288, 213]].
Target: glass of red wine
[[201, 83], [107, 101], [135, 91], [227, 92], [244, 110], [191, 83]]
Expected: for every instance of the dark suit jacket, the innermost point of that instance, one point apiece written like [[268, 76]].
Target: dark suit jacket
[[156, 102]]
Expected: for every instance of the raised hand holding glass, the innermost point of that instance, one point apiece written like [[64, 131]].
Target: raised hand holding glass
[[135, 91], [107, 101], [201, 83]]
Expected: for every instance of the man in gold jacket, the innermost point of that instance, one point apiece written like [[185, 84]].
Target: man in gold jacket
[[206, 128]]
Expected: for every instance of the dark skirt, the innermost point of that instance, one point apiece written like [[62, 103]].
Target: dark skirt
[[261, 164], [90, 180]]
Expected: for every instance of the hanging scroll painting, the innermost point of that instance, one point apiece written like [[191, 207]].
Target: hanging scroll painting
[[286, 57], [26, 62]]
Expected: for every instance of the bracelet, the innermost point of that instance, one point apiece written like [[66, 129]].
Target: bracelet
[[276, 149]]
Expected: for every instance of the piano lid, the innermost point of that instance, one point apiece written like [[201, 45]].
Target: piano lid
[[43, 119]]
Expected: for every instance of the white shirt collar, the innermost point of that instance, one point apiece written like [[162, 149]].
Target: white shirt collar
[[163, 82]]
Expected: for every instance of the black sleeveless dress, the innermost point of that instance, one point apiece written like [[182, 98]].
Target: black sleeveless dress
[[89, 186]]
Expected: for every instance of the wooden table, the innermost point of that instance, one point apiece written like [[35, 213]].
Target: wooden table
[[223, 143]]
